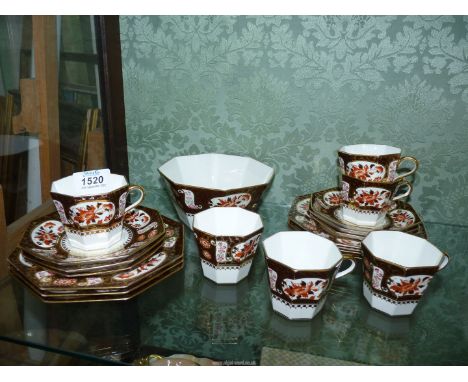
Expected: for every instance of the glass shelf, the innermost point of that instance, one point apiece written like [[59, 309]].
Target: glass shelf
[[190, 314]]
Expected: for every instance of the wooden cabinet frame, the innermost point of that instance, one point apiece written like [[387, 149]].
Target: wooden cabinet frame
[[44, 101]]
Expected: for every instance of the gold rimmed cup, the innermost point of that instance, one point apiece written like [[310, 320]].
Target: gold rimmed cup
[[93, 219], [374, 163], [397, 270], [366, 203], [301, 269]]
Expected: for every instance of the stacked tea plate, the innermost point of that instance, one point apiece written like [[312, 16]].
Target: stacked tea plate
[[368, 200], [95, 248], [312, 213]]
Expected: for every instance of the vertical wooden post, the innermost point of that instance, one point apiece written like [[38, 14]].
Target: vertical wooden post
[[110, 77], [45, 61], [3, 237]]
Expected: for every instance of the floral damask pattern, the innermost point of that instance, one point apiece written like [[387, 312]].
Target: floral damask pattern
[[289, 91]]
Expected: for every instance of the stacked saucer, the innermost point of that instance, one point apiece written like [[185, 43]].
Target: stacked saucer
[[369, 198], [150, 250], [320, 213]]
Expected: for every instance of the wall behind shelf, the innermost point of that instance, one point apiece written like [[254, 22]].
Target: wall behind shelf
[[289, 91]]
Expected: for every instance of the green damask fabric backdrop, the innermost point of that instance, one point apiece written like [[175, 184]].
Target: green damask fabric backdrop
[[289, 91]]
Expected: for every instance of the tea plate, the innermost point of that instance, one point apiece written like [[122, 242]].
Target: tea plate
[[101, 297], [45, 240], [303, 216], [94, 270], [302, 211], [46, 280], [346, 249]]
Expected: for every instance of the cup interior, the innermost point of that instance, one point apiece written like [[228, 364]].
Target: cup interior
[[217, 171], [370, 149], [66, 186], [227, 221], [403, 249], [302, 250]]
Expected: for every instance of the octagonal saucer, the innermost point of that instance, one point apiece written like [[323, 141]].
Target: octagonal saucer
[[326, 206], [302, 216], [46, 283], [46, 241]]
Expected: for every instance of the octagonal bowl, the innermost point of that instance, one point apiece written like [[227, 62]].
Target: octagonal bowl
[[199, 182]]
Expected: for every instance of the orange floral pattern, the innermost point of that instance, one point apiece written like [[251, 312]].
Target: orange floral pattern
[[152, 263], [64, 281], [368, 171], [47, 234], [332, 198], [244, 250], [303, 206], [205, 243], [137, 218], [408, 286], [92, 213], [308, 289], [237, 200], [402, 218], [372, 197]]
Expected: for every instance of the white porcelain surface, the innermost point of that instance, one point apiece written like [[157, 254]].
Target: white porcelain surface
[[97, 224], [387, 306], [90, 252], [301, 297], [370, 149], [407, 252], [217, 171], [299, 312], [96, 241], [226, 274], [403, 249], [227, 221], [362, 217], [66, 186], [302, 250]]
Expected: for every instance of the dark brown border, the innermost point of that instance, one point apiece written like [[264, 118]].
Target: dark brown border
[[112, 93]]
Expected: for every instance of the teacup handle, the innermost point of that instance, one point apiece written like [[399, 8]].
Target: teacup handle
[[405, 194], [412, 171], [140, 199], [444, 262], [347, 270]]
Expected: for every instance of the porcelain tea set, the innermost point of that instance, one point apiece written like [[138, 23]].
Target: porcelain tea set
[[216, 195], [96, 248]]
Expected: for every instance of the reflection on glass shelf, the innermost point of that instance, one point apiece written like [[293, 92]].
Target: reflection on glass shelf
[[189, 314], [13, 354]]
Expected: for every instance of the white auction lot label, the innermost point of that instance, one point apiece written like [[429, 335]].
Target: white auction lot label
[[91, 180]]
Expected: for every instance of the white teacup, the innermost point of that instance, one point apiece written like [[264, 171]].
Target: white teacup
[[301, 268], [227, 239], [93, 218], [397, 270]]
